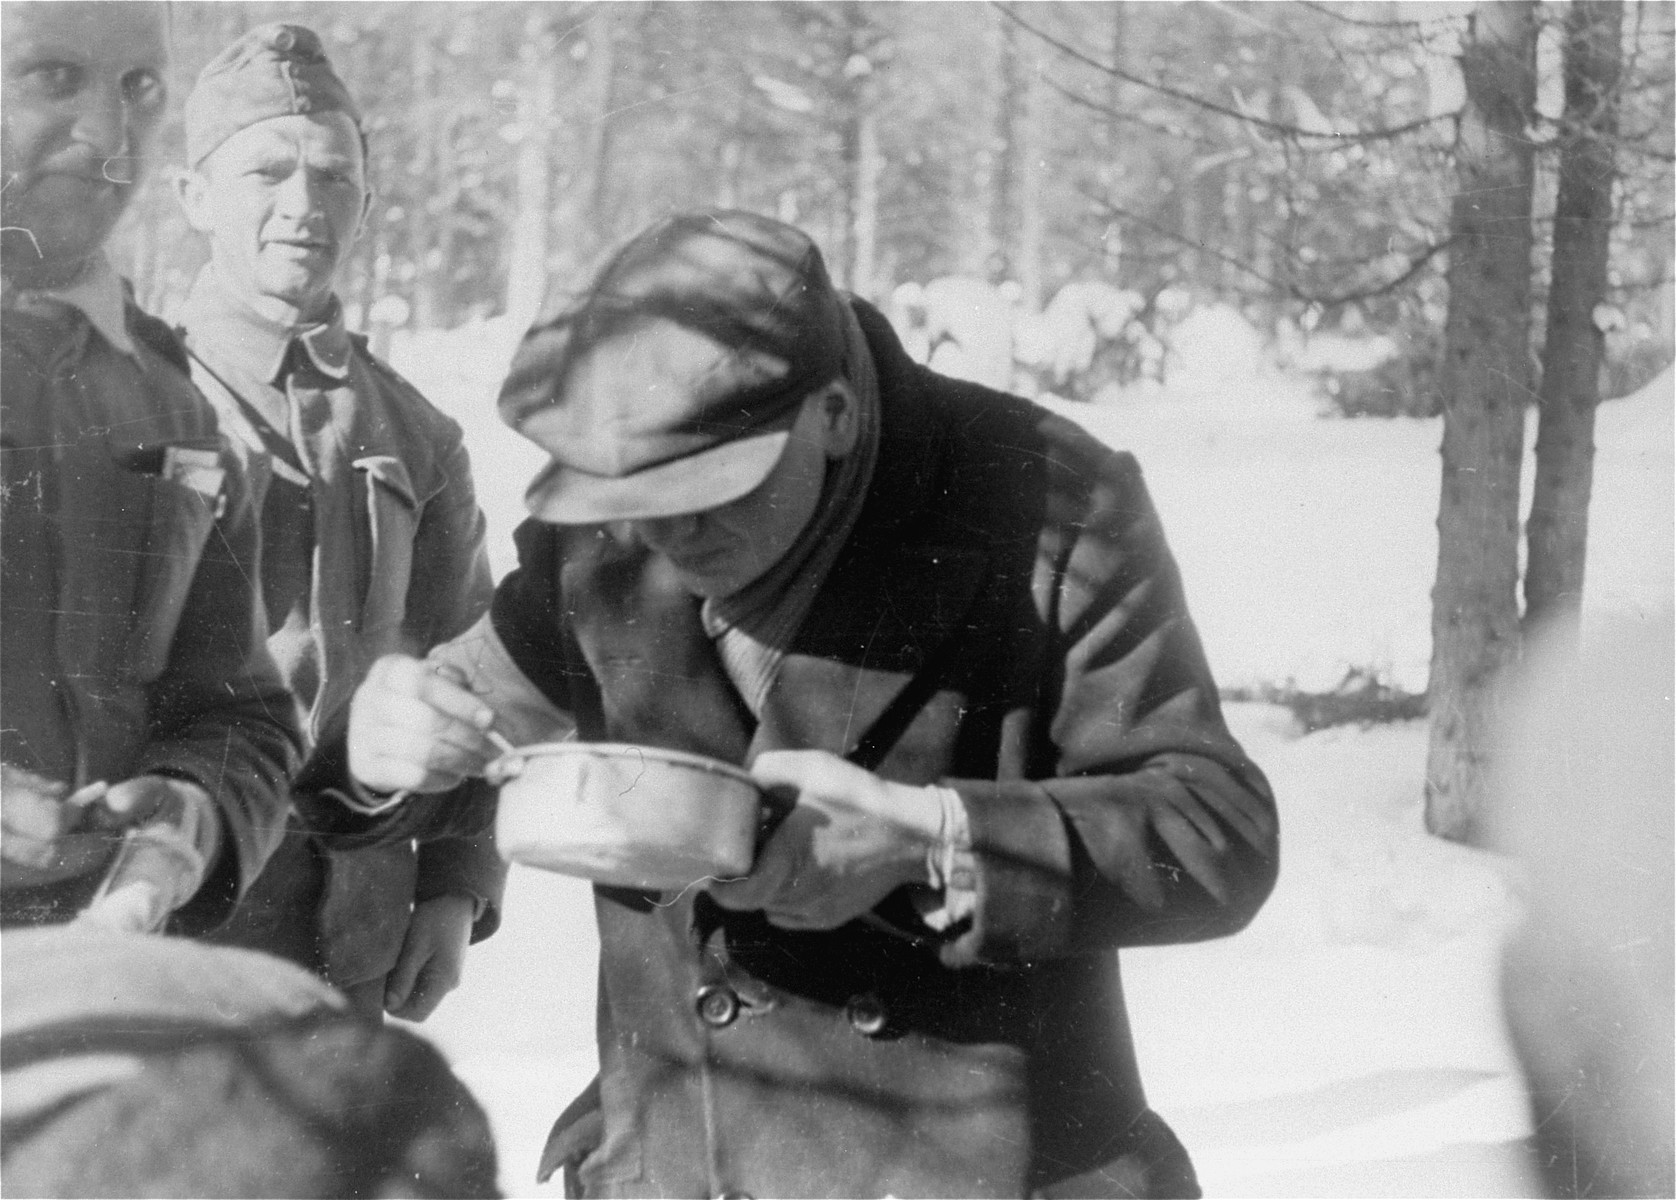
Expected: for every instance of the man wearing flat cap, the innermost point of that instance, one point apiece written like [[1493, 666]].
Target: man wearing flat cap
[[941, 623], [143, 728], [372, 538]]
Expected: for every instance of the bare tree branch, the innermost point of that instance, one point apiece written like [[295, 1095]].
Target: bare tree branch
[[1360, 23], [1287, 288], [1117, 114], [1278, 128]]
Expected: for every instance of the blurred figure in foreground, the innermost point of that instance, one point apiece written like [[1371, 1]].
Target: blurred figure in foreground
[[1584, 798], [145, 733], [150, 1066], [372, 539]]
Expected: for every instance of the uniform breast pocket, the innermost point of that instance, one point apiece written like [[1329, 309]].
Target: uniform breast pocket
[[393, 523], [185, 500]]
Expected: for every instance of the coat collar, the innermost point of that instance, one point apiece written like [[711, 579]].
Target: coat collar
[[254, 345], [99, 296], [902, 586]]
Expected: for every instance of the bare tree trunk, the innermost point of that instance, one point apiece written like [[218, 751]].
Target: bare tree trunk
[[1190, 223], [379, 332], [1111, 130], [865, 222], [431, 283], [857, 240], [1009, 131], [1032, 168], [1557, 534], [526, 273], [596, 147], [442, 274], [1484, 381]]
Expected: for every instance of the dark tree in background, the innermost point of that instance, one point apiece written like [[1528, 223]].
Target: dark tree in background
[[1575, 347], [1486, 381], [1298, 216]]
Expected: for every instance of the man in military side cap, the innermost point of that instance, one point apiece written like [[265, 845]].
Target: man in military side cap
[[372, 538], [144, 730], [944, 625]]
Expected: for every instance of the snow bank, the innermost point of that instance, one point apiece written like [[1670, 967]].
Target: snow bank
[[460, 371], [1309, 545], [1349, 1042]]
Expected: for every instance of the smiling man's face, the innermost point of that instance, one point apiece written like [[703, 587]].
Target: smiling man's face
[[82, 93], [282, 201]]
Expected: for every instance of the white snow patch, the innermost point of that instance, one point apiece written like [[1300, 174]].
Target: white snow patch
[[460, 371]]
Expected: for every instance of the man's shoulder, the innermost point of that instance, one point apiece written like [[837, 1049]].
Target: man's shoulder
[[397, 391], [387, 376], [975, 416], [34, 333], [159, 337], [1008, 432]]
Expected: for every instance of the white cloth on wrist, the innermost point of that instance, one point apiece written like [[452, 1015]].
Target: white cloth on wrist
[[357, 797], [950, 866]]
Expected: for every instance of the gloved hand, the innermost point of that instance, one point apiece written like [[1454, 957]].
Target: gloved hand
[[850, 840]]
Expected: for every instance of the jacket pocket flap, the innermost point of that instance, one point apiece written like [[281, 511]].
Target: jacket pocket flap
[[390, 472]]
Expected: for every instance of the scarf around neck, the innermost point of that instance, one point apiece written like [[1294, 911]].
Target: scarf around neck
[[754, 626]]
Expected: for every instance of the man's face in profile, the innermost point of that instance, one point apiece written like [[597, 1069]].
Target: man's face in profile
[[82, 95]]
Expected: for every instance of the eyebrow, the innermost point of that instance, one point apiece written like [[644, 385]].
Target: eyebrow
[[32, 52], [265, 156], [274, 147], [27, 51]]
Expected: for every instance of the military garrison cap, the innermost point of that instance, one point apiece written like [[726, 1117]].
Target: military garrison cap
[[275, 70]]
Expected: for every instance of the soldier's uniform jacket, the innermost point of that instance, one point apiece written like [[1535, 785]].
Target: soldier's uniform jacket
[[133, 640], [374, 544], [1006, 620]]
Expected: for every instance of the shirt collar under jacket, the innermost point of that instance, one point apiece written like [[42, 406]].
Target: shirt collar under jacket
[[99, 297], [256, 345]]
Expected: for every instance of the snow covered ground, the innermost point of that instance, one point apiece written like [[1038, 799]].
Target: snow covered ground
[[1348, 1043]]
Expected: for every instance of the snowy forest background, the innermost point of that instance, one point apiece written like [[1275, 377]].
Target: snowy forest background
[[1212, 233], [1292, 161]]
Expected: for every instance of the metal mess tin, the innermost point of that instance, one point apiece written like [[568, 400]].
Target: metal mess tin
[[624, 815]]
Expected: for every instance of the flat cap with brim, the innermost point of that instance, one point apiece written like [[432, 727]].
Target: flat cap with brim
[[670, 386], [274, 70]]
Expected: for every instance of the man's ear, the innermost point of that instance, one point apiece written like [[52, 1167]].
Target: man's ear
[[840, 418], [191, 188]]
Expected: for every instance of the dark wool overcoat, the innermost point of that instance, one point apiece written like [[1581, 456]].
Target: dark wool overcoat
[[1005, 620]]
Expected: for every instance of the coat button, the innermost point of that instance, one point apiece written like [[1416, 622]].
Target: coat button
[[866, 1015], [717, 1005]]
